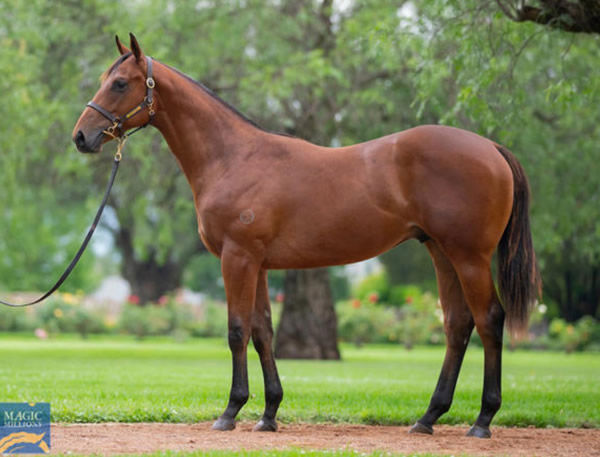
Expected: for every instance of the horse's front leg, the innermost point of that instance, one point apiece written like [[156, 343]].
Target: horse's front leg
[[240, 273]]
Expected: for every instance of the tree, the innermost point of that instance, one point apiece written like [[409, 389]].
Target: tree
[[308, 325], [528, 88], [580, 16]]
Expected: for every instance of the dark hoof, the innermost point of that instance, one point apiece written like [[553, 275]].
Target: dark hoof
[[479, 432], [265, 425], [224, 424], [421, 428]]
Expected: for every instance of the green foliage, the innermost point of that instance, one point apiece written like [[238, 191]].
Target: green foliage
[[213, 322], [159, 380], [528, 88], [64, 313], [417, 322], [576, 336], [368, 323], [143, 321], [400, 295], [204, 274], [372, 71], [374, 287]]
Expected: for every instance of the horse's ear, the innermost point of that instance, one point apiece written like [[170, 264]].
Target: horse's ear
[[120, 46], [135, 48]]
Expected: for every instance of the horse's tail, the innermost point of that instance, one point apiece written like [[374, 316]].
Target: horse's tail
[[518, 275]]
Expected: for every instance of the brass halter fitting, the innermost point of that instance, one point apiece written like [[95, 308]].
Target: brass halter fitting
[[111, 131], [121, 142]]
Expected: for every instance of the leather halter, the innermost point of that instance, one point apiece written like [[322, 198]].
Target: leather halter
[[117, 121]]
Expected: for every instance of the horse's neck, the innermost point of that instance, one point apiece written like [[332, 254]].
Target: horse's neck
[[203, 134]]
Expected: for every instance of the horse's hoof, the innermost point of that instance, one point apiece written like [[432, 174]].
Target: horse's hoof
[[479, 432], [421, 428], [265, 425], [224, 424]]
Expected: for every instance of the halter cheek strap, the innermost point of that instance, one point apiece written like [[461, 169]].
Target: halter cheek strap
[[117, 121]]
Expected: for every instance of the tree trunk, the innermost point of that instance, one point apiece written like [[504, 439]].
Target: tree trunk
[[308, 325], [148, 279]]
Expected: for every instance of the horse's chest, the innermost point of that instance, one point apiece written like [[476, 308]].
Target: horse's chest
[[211, 232], [212, 244]]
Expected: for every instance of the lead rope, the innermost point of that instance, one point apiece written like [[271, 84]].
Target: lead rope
[[116, 161]]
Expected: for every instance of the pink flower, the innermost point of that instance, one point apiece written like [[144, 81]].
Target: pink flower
[[163, 300], [40, 333], [279, 297], [356, 303], [134, 299]]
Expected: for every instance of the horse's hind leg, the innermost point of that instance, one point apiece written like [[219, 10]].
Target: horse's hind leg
[[480, 294], [262, 337], [458, 325]]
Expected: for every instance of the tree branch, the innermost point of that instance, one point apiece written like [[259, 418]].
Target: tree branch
[[581, 16]]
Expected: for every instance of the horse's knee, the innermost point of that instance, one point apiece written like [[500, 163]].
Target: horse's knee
[[236, 335]]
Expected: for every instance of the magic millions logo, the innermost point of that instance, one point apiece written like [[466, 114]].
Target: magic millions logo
[[24, 428]]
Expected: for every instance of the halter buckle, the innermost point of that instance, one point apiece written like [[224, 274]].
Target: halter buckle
[[151, 110], [111, 131], [150, 83]]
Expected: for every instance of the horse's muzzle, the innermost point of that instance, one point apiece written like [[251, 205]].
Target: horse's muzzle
[[84, 145]]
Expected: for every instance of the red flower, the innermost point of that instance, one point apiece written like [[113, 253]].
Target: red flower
[[356, 303], [134, 299], [163, 300], [374, 297], [409, 300], [279, 297]]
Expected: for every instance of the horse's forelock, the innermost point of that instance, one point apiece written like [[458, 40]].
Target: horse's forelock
[[114, 66]]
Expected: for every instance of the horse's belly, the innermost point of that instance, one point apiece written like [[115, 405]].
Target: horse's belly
[[345, 240]]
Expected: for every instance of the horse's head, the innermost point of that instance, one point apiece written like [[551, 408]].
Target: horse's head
[[124, 100]]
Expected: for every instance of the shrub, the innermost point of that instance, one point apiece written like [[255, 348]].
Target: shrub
[[365, 323], [143, 321], [416, 323], [65, 314], [575, 336], [399, 295], [375, 284], [213, 322]]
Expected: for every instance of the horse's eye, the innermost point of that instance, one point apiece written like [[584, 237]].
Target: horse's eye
[[119, 85]]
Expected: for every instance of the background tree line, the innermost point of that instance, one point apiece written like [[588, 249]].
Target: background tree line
[[333, 72]]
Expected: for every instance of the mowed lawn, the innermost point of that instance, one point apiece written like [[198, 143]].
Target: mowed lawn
[[120, 379]]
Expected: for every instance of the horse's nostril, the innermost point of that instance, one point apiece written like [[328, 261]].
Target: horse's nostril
[[79, 139]]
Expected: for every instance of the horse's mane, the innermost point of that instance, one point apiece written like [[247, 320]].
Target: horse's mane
[[226, 104], [207, 90]]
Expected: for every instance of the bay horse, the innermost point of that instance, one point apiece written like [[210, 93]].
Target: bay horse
[[268, 201]]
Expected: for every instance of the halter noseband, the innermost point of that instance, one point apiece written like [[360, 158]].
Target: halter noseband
[[117, 121]]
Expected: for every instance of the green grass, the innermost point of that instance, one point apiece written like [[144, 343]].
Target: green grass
[[119, 379]]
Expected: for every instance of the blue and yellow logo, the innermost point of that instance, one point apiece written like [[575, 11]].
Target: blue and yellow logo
[[24, 428]]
